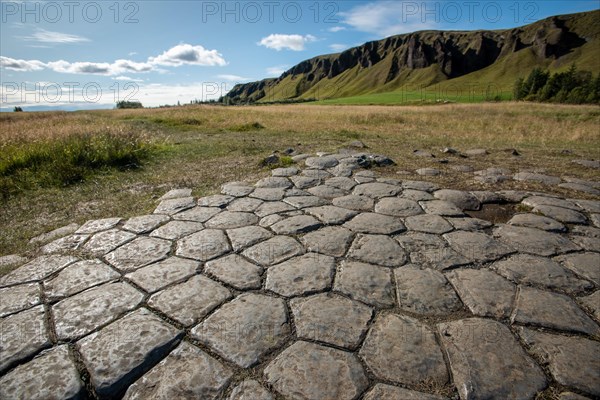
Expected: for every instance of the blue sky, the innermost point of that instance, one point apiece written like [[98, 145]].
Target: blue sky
[[88, 54]]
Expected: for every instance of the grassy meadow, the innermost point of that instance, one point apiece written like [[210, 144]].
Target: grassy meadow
[[57, 167]]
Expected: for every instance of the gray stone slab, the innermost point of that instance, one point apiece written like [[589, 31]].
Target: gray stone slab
[[197, 214], [187, 372], [305, 182], [487, 197], [463, 200], [327, 192], [330, 240], [382, 391], [54, 234], [204, 245], [177, 229], [440, 258], [420, 185], [488, 362], [331, 318], [551, 310], [534, 241], [309, 273], [428, 223], [537, 222], [81, 314], [591, 206], [341, 182], [163, 273], [268, 194], [65, 244], [536, 201], [235, 271], [173, 206], [145, 223], [176, 194], [250, 390], [586, 243], [274, 182], [231, 220], [190, 301], [18, 298], [37, 269], [416, 195], [580, 187], [247, 236], [244, 204], [139, 253], [331, 215], [116, 357], [50, 376], [588, 163], [78, 277], [588, 231], [310, 371], [485, 293], [368, 283], [306, 201], [414, 241], [323, 162], [295, 225], [378, 249], [245, 329], [217, 200], [398, 207], [428, 171], [353, 202], [236, 189], [11, 259], [273, 207], [469, 224], [572, 361], [375, 224], [476, 246], [376, 190], [98, 225], [22, 335], [403, 350], [289, 171], [425, 291], [562, 214], [595, 219], [592, 303], [106, 241], [274, 250], [533, 177], [441, 207]]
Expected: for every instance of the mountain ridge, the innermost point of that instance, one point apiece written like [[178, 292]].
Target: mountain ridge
[[434, 57]]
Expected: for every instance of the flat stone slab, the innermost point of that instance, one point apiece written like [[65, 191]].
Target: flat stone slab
[[537, 222], [81, 314], [327, 192], [353, 202], [536, 201], [274, 250], [341, 182], [441, 207], [440, 258], [476, 246], [368, 283], [579, 187], [273, 207], [245, 329], [485, 293], [176, 194], [106, 241], [204, 245], [177, 229], [250, 390], [533, 177], [583, 264], [173, 206], [398, 207], [376, 190], [187, 370], [310, 371], [551, 310], [562, 214], [268, 194], [244, 204], [231, 219], [247, 236], [217, 200], [52, 375], [145, 223], [309, 273], [190, 301], [330, 240], [116, 357], [332, 319], [54, 234], [18, 298], [375, 224], [274, 182], [236, 189], [377, 249], [488, 362], [163, 273], [534, 241], [78, 277], [428, 223], [572, 361], [295, 225], [37, 269], [65, 244], [592, 302], [22, 335], [428, 171], [305, 182], [403, 350], [98, 225], [463, 200], [382, 391], [416, 195], [321, 162], [235, 271], [197, 214], [138, 253], [425, 291], [331, 215], [306, 201], [469, 224]]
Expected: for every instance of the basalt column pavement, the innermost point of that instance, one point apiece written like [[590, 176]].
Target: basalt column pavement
[[320, 282]]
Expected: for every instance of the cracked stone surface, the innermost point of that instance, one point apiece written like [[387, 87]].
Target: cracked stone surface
[[332, 282]]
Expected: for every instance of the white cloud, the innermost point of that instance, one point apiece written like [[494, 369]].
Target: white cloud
[[337, 29], [233, 78], [183, 54], [127, 79], [386, 18], [291, 42], [277, 70], [133, 53], [338, 46], [21, 65], [44, 36]]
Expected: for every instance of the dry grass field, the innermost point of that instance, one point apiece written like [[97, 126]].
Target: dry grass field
[[57, 168]]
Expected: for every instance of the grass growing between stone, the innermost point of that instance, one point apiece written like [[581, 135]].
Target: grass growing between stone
[[129, 158]]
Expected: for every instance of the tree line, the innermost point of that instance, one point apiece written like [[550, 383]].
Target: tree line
[[572, 86]]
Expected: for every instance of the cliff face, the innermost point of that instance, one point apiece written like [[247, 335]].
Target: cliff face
[[453, 54]]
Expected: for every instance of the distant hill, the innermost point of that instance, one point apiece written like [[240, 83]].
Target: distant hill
[[444, 60]]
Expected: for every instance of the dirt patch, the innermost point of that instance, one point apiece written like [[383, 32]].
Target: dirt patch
[[495, 213]]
